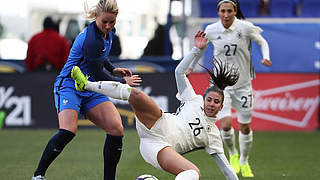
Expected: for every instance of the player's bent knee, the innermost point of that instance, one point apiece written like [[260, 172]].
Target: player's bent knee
[[244, 128], [135, 95], [226, 126], [115, 130]]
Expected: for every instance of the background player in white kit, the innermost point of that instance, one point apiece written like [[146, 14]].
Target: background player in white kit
[[231, 38], [165, 136]]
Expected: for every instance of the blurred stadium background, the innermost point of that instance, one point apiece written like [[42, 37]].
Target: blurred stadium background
[[286, 94]]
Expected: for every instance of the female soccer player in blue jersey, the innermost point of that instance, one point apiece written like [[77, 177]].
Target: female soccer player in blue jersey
[[165, 136], [89, 52]]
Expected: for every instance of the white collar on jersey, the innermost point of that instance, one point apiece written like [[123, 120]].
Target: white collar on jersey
[[211, 119], [232, 27]]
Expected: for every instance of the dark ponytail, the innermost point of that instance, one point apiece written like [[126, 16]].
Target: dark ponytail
[[222, 75], [239, 14]]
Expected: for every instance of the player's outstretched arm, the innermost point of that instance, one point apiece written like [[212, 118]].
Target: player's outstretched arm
[[225, 167]]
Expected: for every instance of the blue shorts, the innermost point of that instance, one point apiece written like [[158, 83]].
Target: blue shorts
[[66, 97]]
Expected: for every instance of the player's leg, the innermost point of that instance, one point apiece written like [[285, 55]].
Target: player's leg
[[146, 110], [67, 128], [225, 167], [106, 116], [244, 112], [227, 132], [245, 144], [68, 117], [174, 163]]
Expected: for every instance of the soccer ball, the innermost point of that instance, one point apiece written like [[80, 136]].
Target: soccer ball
[[146, 177]]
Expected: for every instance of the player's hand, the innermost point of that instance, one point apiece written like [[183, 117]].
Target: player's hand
[[266, 62], [133, 80], [123, 72], [200, 39], [188, 72]]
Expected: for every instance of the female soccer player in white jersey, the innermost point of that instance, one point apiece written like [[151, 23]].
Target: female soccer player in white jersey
[[165, 136], [231, 38]]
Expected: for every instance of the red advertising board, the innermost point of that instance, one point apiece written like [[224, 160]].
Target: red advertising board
[[281, 101]]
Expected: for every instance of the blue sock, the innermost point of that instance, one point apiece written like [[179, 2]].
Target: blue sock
[[53, 149], [111, 153]]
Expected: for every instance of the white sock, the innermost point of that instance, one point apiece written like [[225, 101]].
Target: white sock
[[245, 144], [112, 89], [188, 175], [228, 138]]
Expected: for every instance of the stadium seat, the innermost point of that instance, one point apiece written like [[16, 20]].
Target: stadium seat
[[250, 8], [208, 8], [283, 8], [310, 8]]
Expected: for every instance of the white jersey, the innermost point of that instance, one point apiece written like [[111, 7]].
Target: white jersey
[[187, 129], [233, 45]]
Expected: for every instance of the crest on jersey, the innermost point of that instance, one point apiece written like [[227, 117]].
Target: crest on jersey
[[208, 128], [219, 37], [239, 35]]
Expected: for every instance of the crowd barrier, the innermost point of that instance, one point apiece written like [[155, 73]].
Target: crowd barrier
[[294, 46], [282, 101]]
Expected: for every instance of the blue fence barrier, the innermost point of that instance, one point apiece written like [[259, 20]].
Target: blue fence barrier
[[294, 47]]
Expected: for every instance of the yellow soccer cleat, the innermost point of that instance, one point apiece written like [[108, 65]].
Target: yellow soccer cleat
[[235, 162], [246, 170], [79, 78]]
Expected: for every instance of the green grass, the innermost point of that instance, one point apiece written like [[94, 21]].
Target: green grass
[[275, 156]]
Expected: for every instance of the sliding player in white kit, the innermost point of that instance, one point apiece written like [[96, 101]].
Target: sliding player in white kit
[[231, 38], [165, 136]]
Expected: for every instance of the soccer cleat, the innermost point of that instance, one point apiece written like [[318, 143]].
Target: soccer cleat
[[79, 78], [246, 170], [38, 178], [235, 162]]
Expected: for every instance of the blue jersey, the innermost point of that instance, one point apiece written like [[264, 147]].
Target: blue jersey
[[89, 47]]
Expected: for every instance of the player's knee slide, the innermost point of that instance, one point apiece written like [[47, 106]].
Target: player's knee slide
[[188, 175]]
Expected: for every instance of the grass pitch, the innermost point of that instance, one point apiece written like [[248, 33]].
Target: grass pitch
[[275, 156]]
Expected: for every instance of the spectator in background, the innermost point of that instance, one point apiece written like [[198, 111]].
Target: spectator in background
[[1, 30], [157, 45], [47, 50], [264, 8], [72, 31]]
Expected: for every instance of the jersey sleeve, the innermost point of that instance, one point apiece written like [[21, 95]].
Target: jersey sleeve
[[185, 90], [254, 33]]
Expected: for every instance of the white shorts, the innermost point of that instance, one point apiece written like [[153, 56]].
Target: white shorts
[[152, 141], [240, 99]]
